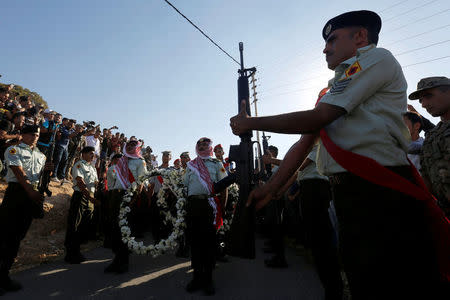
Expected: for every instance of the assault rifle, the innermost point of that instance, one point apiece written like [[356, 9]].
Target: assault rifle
[[99, 191], [267, 167], [242, 232], [44, 178]]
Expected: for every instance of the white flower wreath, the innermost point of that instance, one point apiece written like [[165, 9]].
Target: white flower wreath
[[233, 196], [173, 182], [178, 223]]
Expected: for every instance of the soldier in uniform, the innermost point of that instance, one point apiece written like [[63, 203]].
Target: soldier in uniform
[[177, 164], [219, 153], [130, 165], [202, 210], [184, 157], [159, 230], [21, 201], [379, 220], [315, 197], [166, 157], [81, 209], [434, 95]]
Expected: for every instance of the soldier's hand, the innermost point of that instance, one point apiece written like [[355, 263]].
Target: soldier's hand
[[260, 196], [238, 122], [36, 196]]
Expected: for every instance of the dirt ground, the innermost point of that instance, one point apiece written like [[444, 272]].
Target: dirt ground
[[44, 241]]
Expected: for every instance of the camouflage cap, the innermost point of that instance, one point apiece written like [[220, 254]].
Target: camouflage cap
[[184, 154], [428, 83]]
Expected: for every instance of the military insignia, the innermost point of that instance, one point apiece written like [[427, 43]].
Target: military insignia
[[223, 170], [13, 151], [78, 166], [328, 29], [353, 69], [339, 86]]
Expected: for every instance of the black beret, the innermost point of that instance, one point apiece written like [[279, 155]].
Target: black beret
[[87, 149], [365, 18], [30, 129]]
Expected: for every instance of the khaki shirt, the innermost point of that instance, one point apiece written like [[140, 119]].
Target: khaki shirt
[[87, 172], [32, 162], [372, 89], [137, 168], [310, 171], [192, 182], [111, 177]]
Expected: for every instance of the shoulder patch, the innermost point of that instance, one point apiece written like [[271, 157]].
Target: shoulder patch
[[223, 170], [13, 151], [353, 69], [339, 86], [78, 166]]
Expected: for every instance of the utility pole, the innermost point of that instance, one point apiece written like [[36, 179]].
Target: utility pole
[[255, 100]]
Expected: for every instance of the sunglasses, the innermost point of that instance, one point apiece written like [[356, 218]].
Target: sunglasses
[[204, 140]]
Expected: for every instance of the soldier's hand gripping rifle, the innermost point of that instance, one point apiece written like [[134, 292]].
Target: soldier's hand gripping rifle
[[242, 234]]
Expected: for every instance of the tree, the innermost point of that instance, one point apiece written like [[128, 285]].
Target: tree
[[18, 91]]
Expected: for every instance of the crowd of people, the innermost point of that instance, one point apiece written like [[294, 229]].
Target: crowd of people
[[354, 186]]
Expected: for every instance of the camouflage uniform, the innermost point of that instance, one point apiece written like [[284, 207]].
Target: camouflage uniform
[[435, 161]]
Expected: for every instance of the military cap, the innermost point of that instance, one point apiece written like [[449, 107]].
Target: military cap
[[167, 153], [428, 83], [217, 147], [87, 149], [364, 18], [184, 154], [30, 129]]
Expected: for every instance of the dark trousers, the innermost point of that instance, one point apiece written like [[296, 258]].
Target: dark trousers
[[15, 220], [274, 214], [315, 197], [384, 242], [78, 220], [201, 235], [60, 161], [113, 208]]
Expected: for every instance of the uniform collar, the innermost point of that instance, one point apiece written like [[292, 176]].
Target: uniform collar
[[84, 162], [25, 146]]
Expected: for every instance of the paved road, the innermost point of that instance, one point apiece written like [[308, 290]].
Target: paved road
[[165, 278]]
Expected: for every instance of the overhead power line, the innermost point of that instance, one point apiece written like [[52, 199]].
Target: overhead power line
[[201, 31], [393, 5], [416, 35], [427, 46], [422, 19], [423, 62], [410, 10]]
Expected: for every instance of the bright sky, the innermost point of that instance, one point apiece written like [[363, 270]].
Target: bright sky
[[139, 65]]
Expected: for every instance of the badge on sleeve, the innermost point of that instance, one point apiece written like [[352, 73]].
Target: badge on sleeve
[[78, 166], [353, 69], [339, 86], [223, 170], [13, 151]]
